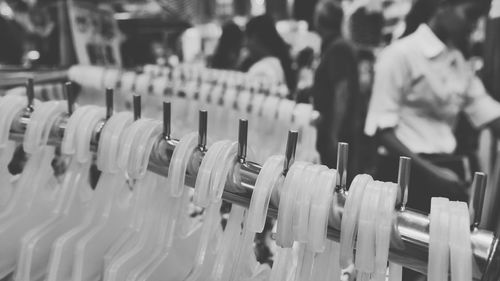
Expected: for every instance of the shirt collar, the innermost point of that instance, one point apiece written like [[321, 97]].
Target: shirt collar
[[430, 45]]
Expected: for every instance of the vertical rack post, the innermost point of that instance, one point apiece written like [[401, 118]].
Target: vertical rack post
[[242, 140], [291, 147], [202, 130], [342, 158], [404, 180]]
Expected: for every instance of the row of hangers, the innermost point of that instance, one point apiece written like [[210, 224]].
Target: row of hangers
[[270, 116], [251, 169], [223, 77], [242, 99]]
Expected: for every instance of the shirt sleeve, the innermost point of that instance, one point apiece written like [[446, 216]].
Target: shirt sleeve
[[268, 68], [480, 107], [385, 102]]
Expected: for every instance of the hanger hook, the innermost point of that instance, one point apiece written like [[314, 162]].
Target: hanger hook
[[202, 130], [342, 158], [70, 97], [477, 198], [291, 148], [242, 140], [109, 102], [30, 93], [167, 115], [137, 106], [404, 179]]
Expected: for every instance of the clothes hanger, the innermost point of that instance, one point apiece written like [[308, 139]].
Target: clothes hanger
[[459, 241], [384, 225], [179, 230], [72, 199], [284, 234], [10, 106], [109, 191], [438, 240], [36, 188], [92, 247], [303, 204], [365, 243], [300, 226], [349, 224]]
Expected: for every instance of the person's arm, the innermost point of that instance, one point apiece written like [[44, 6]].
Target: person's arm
[[494, 126], [384, 115], [389, 139], [481, 108]]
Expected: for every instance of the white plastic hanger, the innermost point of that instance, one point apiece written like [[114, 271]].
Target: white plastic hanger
[[128, 81], [305, 186], [321, 201], [269, 177], [210, 227], [284, 237], [209, 224], [229, 249], [91, 248], [178, 216], [438, 240], [107, 192], [36, 189], [149, 232], [459, 241], [365, 244], [72, 199], [349, 224], [10, 106], [303, 202], [384, 226], [284, 257]]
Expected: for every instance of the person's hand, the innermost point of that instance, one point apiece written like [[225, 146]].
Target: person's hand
[[447, 175]]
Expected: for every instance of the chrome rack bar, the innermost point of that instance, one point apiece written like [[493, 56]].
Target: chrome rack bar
[[410, 237]]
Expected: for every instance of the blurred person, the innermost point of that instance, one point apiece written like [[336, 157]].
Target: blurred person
[[26, 29], [228, 50], [365, 26], [268, 54], [336, 91], [422, 85]]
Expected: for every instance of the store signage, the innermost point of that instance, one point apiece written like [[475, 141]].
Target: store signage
[[96, 37]]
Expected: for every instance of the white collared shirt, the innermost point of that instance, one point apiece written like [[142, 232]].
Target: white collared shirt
[[270, 68], [420, 88]]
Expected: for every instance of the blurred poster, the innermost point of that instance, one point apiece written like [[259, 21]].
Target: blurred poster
[[95, 35]]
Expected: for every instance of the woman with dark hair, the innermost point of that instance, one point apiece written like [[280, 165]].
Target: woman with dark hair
[[337, 92], [268, 54], [227, 53]]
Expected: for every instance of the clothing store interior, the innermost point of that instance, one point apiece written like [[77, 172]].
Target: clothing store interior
[[234, 100]]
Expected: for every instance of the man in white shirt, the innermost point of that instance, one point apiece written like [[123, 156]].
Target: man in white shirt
[[422, 83]]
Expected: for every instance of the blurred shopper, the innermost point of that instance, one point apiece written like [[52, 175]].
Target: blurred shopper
[[336, 90], [268, 54], [422, 84], [228, 51]]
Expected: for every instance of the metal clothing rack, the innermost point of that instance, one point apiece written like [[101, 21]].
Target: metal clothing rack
[[410, 236]]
